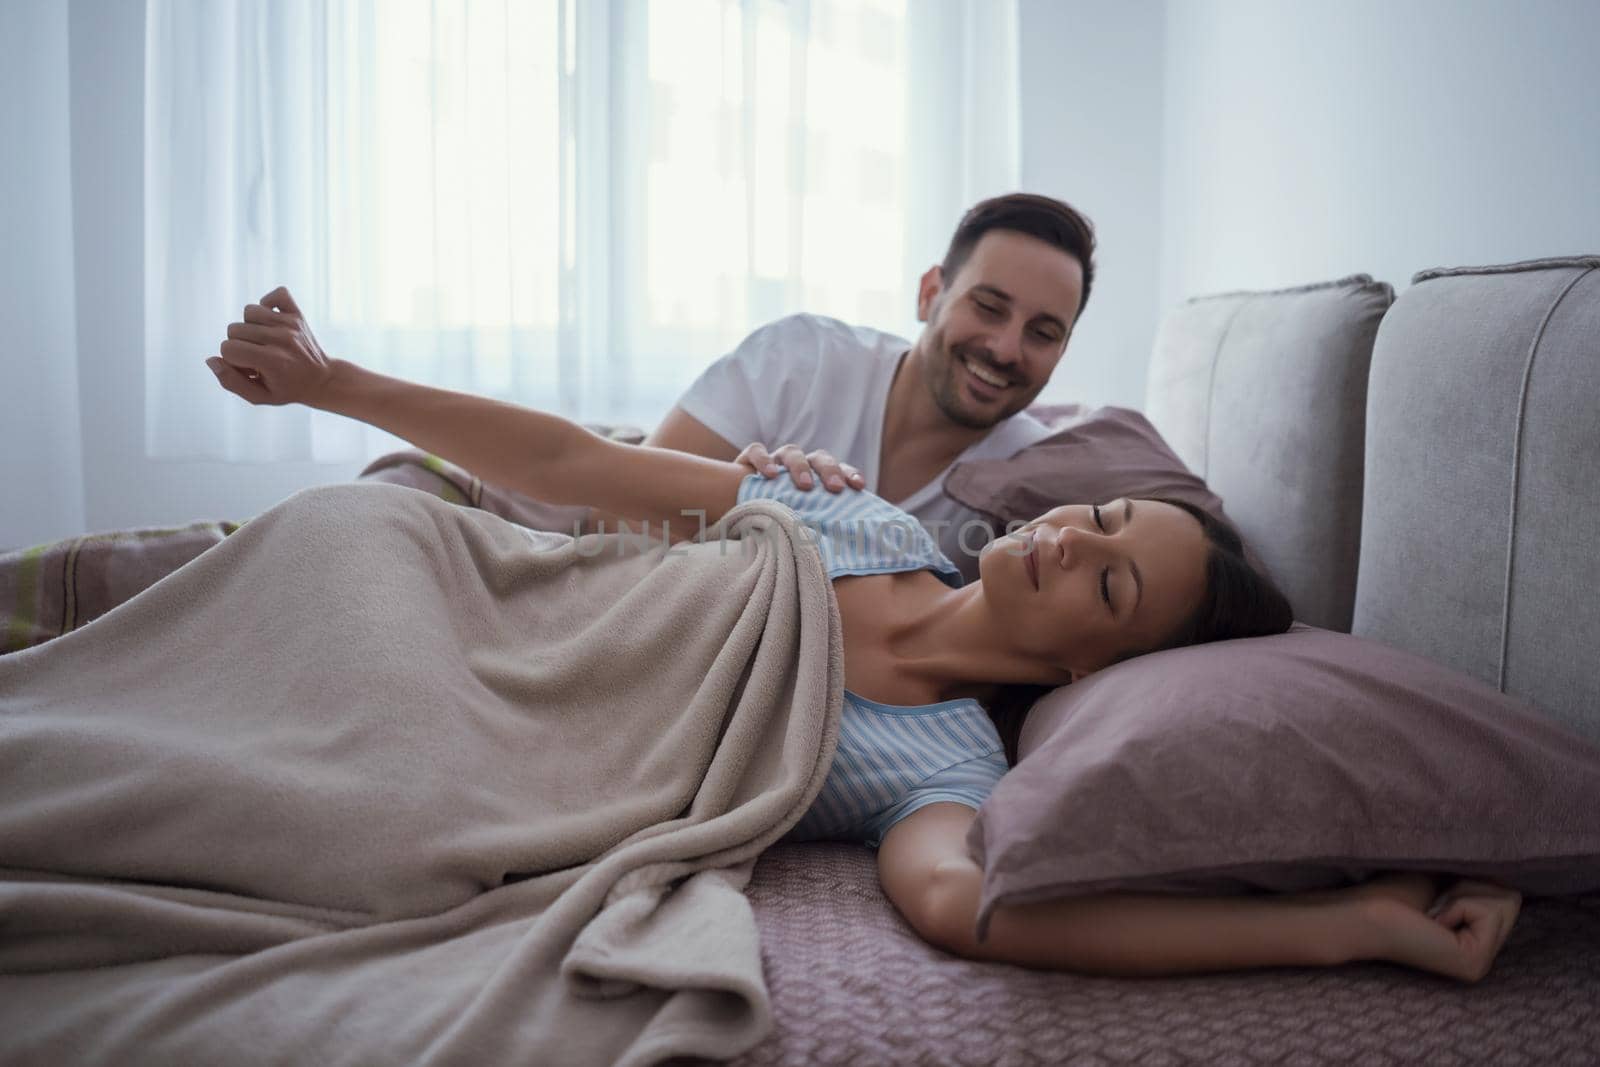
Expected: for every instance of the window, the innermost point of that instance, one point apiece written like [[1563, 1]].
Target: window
[[574, 204]]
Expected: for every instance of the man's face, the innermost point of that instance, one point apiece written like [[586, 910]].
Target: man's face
[[997, 329]]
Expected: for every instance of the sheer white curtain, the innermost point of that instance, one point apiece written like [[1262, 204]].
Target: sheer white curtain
[[38, 312], [575, 204]]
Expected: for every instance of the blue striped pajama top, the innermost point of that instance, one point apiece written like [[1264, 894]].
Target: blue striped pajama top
[[891, 760]]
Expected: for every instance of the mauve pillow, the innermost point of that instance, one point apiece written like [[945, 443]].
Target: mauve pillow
[[1305, 760], [1093, 456]]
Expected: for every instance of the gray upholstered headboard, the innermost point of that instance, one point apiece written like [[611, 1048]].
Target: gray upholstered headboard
[[1481, 528], [1264, 396]]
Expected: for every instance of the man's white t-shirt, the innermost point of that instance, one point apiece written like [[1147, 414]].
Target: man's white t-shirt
[[819, 383]]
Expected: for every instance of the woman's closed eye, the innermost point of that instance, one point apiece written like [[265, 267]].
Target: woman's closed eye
[[1105, 572]]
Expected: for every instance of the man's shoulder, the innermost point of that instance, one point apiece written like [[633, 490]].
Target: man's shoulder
[[825, 335]]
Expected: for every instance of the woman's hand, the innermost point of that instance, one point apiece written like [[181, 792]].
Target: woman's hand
[[835, 476], [272, 357], [1458, 936]]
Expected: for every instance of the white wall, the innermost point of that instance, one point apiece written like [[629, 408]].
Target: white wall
[[1091, 135], [43, 497], [1304, 141]]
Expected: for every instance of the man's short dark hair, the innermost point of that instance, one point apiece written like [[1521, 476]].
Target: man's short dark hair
[[1038, 216]]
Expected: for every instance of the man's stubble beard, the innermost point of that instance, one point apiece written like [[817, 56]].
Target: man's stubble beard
[[947, 394]]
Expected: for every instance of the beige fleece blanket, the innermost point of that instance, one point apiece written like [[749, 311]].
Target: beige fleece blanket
[[379, 779]]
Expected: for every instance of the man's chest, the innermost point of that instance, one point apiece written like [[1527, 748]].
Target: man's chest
[[903, 469]]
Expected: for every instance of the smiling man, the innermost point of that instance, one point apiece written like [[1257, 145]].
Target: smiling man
[[892, 416]]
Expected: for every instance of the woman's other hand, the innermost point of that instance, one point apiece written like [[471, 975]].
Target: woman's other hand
[[272, 357], [1458, 936], [804, 467]]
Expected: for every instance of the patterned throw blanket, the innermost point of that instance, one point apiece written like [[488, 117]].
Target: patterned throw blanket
[[52, 589], [378, 779]]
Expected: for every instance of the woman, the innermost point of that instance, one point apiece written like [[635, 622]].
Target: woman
[[1076, 590]]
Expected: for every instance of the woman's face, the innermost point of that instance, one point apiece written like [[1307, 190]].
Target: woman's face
[[1082, 585]]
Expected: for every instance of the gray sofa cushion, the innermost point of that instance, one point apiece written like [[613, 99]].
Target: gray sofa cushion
[[1482, 498], [1263, 395]]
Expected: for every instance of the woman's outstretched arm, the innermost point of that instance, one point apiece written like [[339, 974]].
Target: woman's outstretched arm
[[925, 870], [273, 358]]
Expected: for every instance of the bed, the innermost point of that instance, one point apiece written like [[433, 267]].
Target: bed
[[1415, 471], [851, 984], [1329, 418]]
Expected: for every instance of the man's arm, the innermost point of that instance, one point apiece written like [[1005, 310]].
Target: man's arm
[[928, 875], [685, 433]]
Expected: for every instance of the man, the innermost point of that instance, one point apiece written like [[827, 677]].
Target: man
[[892, 417]]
